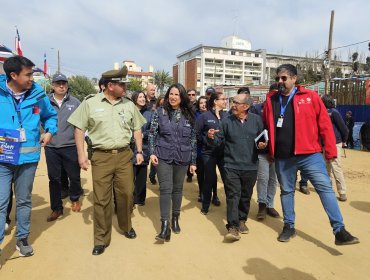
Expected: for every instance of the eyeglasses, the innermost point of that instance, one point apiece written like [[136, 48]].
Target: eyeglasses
[[238, 103], [283, 78], [191, 94]]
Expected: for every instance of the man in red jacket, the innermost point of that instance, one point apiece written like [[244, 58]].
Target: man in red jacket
[[298, 123]]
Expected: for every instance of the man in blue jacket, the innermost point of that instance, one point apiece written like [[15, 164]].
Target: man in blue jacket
[[24, 106]]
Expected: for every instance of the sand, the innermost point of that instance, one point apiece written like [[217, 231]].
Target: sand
[[63, 248]]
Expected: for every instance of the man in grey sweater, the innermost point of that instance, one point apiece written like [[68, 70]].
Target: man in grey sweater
[[238, 132], [62, 151]]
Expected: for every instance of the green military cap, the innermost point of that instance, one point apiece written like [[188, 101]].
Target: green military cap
[[117, 76]]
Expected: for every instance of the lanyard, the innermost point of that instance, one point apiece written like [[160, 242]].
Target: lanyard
[[283, 108], [17, 107]]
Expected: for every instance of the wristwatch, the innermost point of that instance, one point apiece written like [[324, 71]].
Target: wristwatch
[[139, 152]]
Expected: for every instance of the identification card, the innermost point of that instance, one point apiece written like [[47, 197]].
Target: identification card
[[280, 122], [22, 135]]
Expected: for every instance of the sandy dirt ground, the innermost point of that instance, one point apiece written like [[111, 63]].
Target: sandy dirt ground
[[63, 248]]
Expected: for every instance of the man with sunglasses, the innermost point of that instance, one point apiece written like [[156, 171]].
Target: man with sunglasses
[[110, 120], [298, 122]]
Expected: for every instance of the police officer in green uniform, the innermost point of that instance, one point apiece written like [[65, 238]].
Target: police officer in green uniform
[[110, 120]]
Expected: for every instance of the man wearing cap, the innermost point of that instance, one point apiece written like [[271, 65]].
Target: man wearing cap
[[350, 123], [61, 152], [110, 119]]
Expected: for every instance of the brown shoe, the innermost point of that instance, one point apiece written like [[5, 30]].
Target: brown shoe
[[342, 197], [272, 212], [54, 215], [262, 211], [232, 234], [76, 206], [243, 229]]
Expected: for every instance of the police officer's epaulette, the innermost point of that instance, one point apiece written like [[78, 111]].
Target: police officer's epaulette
[[128, 98], [89, 96]]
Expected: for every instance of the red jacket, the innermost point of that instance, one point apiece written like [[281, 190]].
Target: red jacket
[[312, 124]]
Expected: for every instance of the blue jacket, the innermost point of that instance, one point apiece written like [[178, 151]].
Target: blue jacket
[[206, 121], [35, 109], [147, 114]]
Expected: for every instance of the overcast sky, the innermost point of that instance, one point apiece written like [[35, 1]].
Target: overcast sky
[[91, 35]]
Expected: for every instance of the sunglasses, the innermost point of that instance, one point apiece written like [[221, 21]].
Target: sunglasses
[[283, 78], [237, 103], [191, 94]]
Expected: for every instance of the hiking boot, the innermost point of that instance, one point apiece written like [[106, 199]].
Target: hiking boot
[[304, 189], [243, 229], [287, 234], [342, 197], [232, 234], [273, 213], [262, 211], [25, 250], [343, 237]]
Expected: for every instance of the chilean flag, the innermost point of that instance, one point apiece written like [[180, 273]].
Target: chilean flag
[[45, 64], [18, 44]]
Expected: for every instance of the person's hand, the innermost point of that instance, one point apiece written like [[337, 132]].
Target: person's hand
[[154, 160], [139, 159], [192, 169], [211, 133], [83, 162], [262, 145], [45, 139]]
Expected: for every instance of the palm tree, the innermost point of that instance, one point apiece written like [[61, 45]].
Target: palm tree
[[162, 79]]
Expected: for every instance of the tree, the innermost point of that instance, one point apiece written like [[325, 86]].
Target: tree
[[162, 79], [135, 85], [367, 64], [80, 87]]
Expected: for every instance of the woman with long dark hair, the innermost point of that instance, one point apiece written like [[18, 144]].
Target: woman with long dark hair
[[172, 145], [140, 171], [212, 156]]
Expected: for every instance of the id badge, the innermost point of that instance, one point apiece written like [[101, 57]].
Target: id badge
[[22, 135], [122, 116], [280, 122]]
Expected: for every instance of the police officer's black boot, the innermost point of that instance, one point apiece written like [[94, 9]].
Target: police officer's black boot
[[175, 223], [165, 234]]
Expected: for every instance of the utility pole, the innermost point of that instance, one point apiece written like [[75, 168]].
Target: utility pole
[[58, 62], [328, 54]]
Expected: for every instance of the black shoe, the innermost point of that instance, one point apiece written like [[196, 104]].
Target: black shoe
[[165, 234], [175, 223], [216, 201], [153, 180], [189, 179], [262, 211], [131, 234], [343, 237], [304, 189], [98, 250], [287, 234], [204, 212]]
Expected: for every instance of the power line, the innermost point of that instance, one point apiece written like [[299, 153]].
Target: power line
[[351, 45]]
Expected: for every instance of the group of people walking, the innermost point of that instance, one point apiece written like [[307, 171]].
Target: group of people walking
[[178, 136]]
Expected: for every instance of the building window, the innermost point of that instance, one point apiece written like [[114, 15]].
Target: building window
[[232, 52]]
